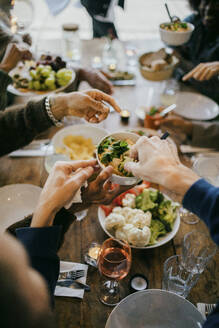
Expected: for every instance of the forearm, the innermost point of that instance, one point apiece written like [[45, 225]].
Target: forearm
[[205, 135], [19, 127], [5, 80]]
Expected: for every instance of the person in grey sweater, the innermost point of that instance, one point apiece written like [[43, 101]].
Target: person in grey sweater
[[19, 127]]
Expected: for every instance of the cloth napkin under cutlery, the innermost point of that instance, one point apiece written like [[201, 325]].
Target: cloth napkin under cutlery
[[74, 289]]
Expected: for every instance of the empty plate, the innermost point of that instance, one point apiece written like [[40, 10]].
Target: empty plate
[[195, 106], [16, 202], [155, 308]]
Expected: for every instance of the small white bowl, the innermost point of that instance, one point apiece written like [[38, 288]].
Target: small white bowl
[[123, 181], [174, 38]]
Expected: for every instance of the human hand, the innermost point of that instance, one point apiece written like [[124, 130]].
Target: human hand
[[203, 72], [96, 80], [158, 162], [101, 191], [177, 123], [14, 53], [62, 184], [88, 104], [26, 37]]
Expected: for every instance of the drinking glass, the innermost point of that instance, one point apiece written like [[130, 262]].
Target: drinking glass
[[188, 217], [176, 278], [197, 250], [114, 263]]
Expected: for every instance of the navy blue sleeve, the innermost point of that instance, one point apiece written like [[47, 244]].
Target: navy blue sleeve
[[42, 245], [203, 200]]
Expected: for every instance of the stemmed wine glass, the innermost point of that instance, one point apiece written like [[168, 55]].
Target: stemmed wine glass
[[114, 262]]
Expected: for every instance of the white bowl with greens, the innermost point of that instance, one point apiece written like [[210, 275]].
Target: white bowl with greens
[[114, 150]]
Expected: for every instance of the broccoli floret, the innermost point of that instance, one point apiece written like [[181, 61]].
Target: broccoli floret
[[157, 229], [144, 202], [167, 213]]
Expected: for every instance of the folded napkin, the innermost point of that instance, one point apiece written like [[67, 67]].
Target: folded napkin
[[69, 291], [76, 198], [57, 6]]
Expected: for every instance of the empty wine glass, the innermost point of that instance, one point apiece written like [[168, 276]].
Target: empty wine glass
[[114, 262], [188, 217]]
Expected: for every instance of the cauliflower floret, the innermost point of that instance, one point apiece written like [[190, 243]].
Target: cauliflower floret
[[126, 228], [138, 237], [141, 220], [129, 200], [126, 212], [120, 234], [118, 210], [133, 214], [114, 220]]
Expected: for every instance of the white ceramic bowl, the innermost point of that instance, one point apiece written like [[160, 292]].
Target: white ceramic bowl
[[161, 241], [84, 130], [124, 181], [155, 308], [173, 38]]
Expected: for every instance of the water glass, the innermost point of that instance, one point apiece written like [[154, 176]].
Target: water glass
[[197, 250], [176, 278], [188, 217]]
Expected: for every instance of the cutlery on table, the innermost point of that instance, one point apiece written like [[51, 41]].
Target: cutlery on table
[[70, 282], [167, 110]]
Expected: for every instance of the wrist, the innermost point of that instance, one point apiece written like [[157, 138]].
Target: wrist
[[5, 68], [43, 217], [179, 179], [59, 107]]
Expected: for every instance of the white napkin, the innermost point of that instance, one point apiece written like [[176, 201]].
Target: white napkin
[[67, 291], [76, 198]]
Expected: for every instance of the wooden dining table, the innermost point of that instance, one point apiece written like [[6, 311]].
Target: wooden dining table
[[90, 312]]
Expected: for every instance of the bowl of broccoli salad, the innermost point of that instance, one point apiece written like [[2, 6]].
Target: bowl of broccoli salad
[[145, 220], [114, 150]]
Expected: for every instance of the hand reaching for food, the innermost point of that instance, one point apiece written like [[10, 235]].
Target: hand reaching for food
[[91, 105], [203, 72], [175, 122], [158, 162], [14, 53], [62, 184], [96, 80]]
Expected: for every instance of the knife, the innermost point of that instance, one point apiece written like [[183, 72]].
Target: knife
[[69, 282]]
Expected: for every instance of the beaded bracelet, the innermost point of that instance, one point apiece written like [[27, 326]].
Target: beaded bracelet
[[50, 114]]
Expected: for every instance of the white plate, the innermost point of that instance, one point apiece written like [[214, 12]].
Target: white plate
[[84, 130], [208, 168], [195, 106], [16, 202], [161, 241], [155, 308], [18, 92]]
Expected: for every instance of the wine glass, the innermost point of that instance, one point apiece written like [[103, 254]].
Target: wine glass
[[114, 263], [188, 217]]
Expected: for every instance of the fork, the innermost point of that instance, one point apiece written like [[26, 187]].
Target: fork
[[73, 275]]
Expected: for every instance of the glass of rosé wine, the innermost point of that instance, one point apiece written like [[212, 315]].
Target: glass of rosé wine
[[114, 263]]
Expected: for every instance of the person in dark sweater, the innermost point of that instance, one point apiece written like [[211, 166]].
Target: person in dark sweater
[[19, 127], [102, 14], [158, 162], [202, 48]]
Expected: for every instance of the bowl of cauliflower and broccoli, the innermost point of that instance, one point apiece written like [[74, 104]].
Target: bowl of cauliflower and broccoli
[[147, 219]]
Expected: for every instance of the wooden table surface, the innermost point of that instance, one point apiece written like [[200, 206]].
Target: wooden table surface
[[89, 312]]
